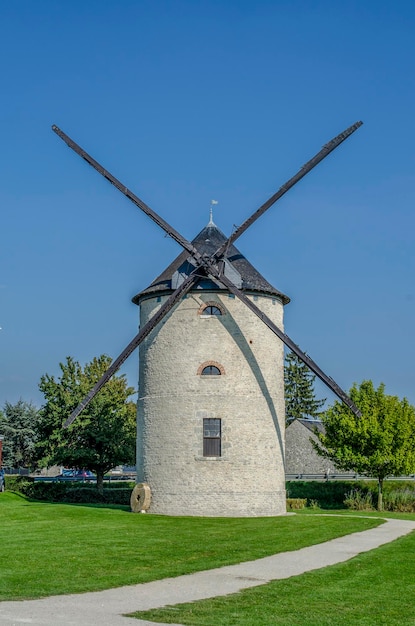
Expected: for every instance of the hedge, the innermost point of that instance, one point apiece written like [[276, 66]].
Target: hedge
[[325, 494], [69, 491], [332, 494]]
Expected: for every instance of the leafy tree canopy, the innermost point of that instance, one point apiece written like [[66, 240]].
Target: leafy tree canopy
[[17, 425], [103, 436], [381, 443], [300, 397]]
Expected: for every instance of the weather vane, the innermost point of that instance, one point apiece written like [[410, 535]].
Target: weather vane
[[212, 203]]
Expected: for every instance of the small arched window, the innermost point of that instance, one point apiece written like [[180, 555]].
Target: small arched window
[[210, 309], [210, 370]]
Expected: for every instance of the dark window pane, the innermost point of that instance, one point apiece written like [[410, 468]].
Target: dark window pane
[[211, 310], [211, 427], [210, 370], [211, 447]]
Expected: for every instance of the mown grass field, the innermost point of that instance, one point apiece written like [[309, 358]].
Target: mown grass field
[[49, 549], [373, 589]]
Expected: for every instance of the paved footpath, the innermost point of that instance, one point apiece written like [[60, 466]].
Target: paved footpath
[[106, 608]]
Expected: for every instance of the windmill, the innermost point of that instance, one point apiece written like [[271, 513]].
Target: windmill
[[211, 397]]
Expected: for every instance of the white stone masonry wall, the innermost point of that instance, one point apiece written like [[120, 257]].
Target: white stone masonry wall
[[248, 479]]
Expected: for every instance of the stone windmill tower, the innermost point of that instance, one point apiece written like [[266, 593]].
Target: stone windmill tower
[[211, 393]]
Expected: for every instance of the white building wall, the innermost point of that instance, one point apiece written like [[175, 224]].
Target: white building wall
[[248, 479]]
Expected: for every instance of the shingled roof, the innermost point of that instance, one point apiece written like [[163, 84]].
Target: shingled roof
[[208, 241]]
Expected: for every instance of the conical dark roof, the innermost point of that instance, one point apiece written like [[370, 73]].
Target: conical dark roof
[[245, 276]]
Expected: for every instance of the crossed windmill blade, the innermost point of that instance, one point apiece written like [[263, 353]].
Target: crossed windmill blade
[[211, 266]]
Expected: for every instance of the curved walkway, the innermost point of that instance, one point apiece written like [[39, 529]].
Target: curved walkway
[[106, 608]]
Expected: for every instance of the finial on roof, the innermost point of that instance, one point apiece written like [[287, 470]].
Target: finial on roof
[[211, 222]]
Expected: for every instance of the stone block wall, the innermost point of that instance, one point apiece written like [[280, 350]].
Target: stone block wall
[[248, 478]]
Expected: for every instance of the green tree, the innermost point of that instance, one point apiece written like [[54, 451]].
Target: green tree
[[300, 397], [103, 436], [17, 425], [380, 443]]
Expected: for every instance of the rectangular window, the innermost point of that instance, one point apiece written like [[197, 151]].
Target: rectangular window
[[211, 437]]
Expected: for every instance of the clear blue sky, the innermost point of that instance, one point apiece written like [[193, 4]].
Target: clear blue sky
[[187, 101]]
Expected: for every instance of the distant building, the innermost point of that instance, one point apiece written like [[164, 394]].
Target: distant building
[[300, 456]]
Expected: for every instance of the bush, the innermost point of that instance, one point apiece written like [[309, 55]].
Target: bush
[[357, 500], [402, 500], [360, 495], [69, 491], [48, 492], [15, 482], [90, 495], [314, 505], [119, 484], [294, 504], [327, 495]]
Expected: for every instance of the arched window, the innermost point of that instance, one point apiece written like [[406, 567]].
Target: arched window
[[210, 370], [210, 309]]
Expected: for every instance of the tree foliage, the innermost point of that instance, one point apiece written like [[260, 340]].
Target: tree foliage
[[18, 427], [380, 443], [103, 435], [300, 397]]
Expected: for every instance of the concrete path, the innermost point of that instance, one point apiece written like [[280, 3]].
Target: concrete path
[[105, 608]]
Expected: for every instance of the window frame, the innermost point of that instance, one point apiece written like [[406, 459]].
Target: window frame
[[207, 364], [214, 304], [217, 371], [212, 443]]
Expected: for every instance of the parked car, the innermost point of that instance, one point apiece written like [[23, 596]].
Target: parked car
[[84, 475], [1, 480], [73, 474], [67, 473]]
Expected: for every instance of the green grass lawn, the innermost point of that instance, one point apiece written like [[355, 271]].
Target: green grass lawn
[[49, 549], [373, 589]]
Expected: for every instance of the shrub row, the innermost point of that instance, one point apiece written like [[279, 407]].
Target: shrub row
[[92, 495], [69, 492], [402, 500], [398, 495], [329, 495], [358, 495]]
